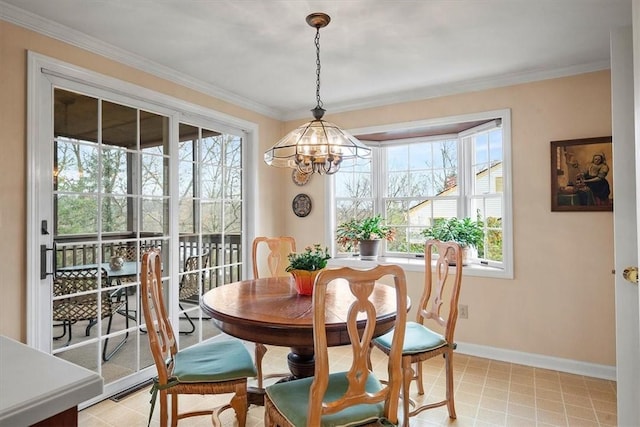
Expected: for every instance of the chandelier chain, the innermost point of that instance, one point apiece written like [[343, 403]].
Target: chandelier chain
[[317, 42]]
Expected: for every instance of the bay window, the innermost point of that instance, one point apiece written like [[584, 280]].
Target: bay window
[[429, 171]]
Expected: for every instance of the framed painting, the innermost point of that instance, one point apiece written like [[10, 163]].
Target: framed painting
[[582, 174]]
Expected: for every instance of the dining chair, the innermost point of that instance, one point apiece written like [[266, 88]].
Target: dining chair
[[211, 367], [73, 301], [195, 267], [269, 257], [356, 396], [127, 252], [423, 342], [132, 253]]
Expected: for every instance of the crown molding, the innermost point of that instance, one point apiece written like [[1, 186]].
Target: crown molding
[[60, 32], [75, 38], [473, 85]]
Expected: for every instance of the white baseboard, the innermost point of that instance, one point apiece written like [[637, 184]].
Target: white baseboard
[[528, 359], [539, 361]]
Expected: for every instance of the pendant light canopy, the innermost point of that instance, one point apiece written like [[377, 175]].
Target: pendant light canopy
[[317, 146]]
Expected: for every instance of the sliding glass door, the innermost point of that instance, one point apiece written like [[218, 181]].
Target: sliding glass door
[[114, 173], [111, 203]]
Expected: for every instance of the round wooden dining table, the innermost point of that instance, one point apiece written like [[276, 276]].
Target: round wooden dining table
[[270, 311]]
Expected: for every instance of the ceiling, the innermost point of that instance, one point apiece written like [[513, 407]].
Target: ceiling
[[260, 54]]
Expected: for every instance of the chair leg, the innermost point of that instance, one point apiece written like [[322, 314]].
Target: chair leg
[[163, 408], [419, 378], [369, 364], [91, 324], [174, 410], [448, 356], [106, 356], [239, 404], [193, 326], [407, 376], [64, 330]]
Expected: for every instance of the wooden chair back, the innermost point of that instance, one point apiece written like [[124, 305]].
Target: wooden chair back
[[441, 281], [162, 340], [276, 250], [361, 322]]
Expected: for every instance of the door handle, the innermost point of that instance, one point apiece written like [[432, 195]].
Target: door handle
[[43, 261], [630, 274]]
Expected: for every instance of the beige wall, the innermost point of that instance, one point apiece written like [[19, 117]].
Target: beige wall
[[561, 300]]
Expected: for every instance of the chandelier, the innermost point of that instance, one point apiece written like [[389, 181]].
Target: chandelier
[[317, 146]]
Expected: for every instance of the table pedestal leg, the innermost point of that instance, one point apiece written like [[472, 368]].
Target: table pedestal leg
[[301, 362], [301, 365]]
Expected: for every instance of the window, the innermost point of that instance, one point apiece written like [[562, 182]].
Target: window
[[424, 172]]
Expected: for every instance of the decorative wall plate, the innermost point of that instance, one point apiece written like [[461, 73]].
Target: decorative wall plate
[[301, 205], [300, 178]]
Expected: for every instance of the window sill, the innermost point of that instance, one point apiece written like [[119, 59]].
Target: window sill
[[417, 265]]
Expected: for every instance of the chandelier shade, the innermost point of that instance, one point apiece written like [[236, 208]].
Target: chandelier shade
[[317, 146]]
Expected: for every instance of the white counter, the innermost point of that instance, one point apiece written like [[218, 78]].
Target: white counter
[[35, 386]]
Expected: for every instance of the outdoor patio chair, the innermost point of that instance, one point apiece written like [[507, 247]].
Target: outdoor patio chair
[[194, 269], [71, 303]]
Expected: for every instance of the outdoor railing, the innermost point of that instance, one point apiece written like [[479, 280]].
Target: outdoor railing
[[225, 252]]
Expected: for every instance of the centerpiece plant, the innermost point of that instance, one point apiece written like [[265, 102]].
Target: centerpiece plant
[[313, 258], [305, 266]]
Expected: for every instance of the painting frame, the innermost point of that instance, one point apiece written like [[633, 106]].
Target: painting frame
[[582, 175]]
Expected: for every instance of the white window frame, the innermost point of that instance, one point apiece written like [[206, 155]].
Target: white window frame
[[417, 264]]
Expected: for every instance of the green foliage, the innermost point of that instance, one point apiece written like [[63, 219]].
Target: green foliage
[[369, 228], [464, 232], [313, 258], [494, 239]]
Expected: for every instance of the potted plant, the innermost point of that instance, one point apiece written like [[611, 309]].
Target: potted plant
[[367, 233], [305, 266], [465, 232]]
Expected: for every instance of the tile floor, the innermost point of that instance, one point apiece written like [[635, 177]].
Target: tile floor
[[488, 393]]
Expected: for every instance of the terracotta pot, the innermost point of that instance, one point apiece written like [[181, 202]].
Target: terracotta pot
[[369, 249], [304, 280]]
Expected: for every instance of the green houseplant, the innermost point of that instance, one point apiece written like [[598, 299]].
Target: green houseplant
[[464, 231], [305, 266], [366, 232], [312, 259]]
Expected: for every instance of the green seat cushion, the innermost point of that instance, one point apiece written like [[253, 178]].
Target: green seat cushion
[[417, 339], [213, 361], [292, 400]]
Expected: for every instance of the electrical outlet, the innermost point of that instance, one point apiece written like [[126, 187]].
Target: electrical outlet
[[463, 311]]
